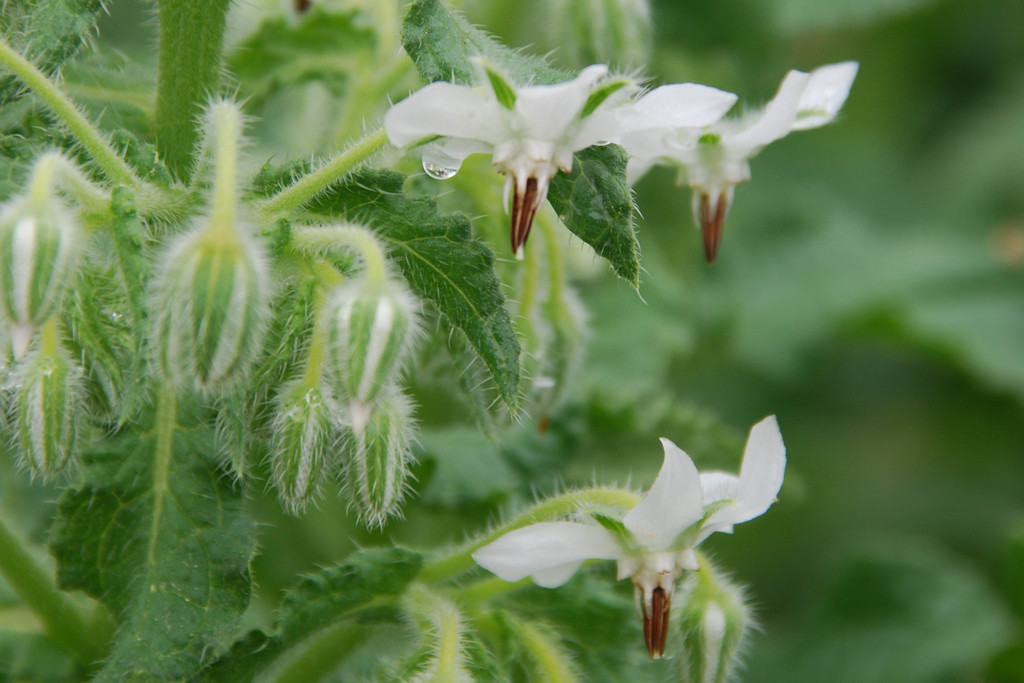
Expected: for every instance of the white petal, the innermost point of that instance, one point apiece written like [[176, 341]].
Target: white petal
[[776, 119], [825, 94], [445, 109], [674, 502], [761, 474], [681, 105], [547, 550], [547, 111], [719, 486], [451, 152]]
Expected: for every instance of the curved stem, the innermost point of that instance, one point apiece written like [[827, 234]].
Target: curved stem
[[319, 655], [554, 508], [303, 190], [190, 44], [61, 618], [317, 240], [87, 135], [552, 663], [54, 168], [227, 129]]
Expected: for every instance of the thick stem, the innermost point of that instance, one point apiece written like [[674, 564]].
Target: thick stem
[[190, 44], [303, 190], [62, 620], [87, 135], [227, 130], [554, 508]]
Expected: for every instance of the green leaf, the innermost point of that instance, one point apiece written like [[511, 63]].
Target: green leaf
[[47, 32], [442, 262], [442, 44], [596, 204], [319, 602], [282, 53], [164, 544]]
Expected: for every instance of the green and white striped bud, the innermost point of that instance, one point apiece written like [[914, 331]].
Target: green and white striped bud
[[210, 299], [371, 330], [302, 435], [48, 408], [380, 455], [39, 247], [713, 617]]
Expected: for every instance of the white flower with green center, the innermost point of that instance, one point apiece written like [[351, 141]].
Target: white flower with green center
[[655, 540], [530, 131], [714, 159]]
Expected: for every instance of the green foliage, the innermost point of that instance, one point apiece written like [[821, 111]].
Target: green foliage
[[442, 262], [318, 602], [322, 47], [596, 204], [161, 543], [48, 31]]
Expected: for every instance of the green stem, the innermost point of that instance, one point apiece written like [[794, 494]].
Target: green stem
[[164, 428], [87, 135], [62, 620], [303, 190], [554, 508], [488, 589], [227, 129], [552, 663], [318, 655], [190, 43], [54, 168], [317, 240]]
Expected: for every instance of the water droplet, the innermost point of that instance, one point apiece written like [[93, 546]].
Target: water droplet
[[438, 171]]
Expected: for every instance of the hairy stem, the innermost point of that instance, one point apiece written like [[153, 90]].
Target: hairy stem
[[190, 43], [60, 617], [306, 188], [554, 508], [81, 128], [317, 240]]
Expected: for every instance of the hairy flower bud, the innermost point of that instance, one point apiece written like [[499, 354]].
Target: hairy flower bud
[[301, 437], [371, 332], [48, 405], [380, 456], [39, 244], [210, 300], [713, 617]]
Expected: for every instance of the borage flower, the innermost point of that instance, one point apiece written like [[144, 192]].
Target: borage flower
[[713, 160], [655, 540], [530, 131]]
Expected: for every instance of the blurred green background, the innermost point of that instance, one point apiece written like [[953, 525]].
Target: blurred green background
[[869, 291]]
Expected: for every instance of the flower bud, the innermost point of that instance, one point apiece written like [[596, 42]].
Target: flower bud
[[48, 405], [210, 300], [713, 617], [39, 245], [381, 437], [371, 332], [301, 436]]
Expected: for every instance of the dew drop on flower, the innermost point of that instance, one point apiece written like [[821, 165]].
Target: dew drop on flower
[[439, 172]]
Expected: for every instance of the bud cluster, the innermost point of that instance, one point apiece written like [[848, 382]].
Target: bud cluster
[[372, 326], [713, 618]]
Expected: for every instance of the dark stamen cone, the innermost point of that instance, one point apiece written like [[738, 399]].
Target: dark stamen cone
[[711, 223], [656, 621], [524, 207]]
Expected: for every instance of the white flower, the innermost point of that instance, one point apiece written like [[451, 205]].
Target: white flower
[[655, 540], [714, 159], [530, 131]]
